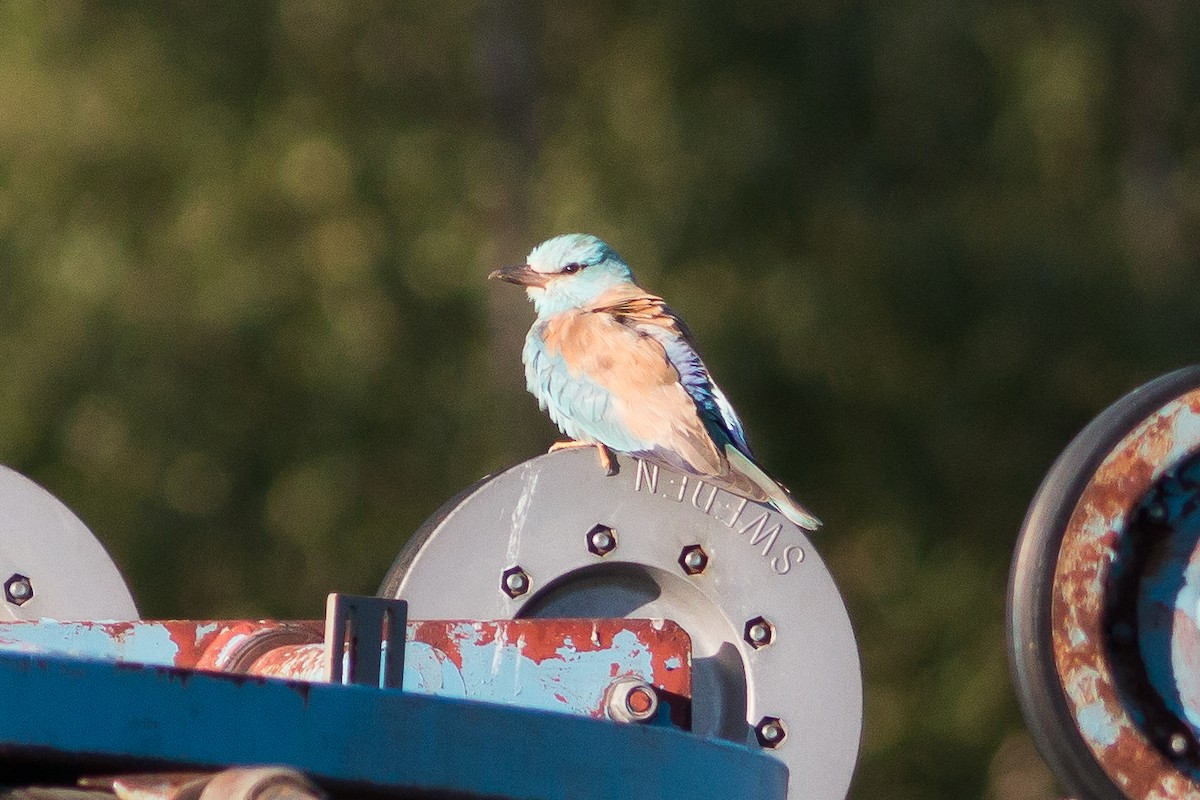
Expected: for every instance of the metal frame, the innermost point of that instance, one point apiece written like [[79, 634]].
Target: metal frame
[[64, 711]]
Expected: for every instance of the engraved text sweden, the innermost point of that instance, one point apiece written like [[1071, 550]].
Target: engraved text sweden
[[761, 530]]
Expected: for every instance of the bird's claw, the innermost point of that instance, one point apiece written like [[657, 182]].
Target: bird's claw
[[607, 462]]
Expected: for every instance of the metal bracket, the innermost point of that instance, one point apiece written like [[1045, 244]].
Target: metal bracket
[[364, 640]]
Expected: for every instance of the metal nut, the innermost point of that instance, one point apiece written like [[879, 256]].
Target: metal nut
[[601, 540], [631, 699], [770, 732], [759, 632], [18, 590], [693, 559], [514, 582]]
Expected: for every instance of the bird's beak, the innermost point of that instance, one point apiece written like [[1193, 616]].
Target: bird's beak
[[521, 275]]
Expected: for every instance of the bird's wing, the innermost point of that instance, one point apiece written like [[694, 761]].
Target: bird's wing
[[659, 401], [650, 315], [645, 409]]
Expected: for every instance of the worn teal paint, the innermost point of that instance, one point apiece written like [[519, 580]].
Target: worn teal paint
[[573, 679], [136, 642], [354, 735], [1097, 724]]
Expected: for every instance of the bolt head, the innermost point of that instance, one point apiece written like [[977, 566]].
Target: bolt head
[[631, 699], [1178, 744], [693, 559], [601, 540], [640, 700], [770, 732], [18, 589], [759, 632], [514, 582]]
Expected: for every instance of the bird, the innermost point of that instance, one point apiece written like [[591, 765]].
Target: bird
[[617, 369]]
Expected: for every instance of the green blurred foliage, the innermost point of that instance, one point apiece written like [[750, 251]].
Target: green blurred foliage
[[245, 332]]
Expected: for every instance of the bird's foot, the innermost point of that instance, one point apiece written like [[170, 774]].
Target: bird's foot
[[606, 457]]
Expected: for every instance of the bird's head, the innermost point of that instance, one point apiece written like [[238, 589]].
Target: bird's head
[[568, 271]]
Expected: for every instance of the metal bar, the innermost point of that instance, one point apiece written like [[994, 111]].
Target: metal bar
[[395, 624], [562, 665], [358, 631], [355, 736]]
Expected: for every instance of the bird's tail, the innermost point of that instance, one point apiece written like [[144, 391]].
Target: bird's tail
[[776, 493]]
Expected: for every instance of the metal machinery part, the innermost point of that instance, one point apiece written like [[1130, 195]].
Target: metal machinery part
[[775, 663], [1104, 600], [352, 741], [618, 669], [50, 564]]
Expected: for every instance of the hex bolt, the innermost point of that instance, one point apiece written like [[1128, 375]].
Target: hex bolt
[[770, 732], [759, 632], [18, 590], [630, 699], [693, 559], [601, 540], [514, 582]]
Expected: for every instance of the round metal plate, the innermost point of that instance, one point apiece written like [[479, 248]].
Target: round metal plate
[[50, 564], [1103, 600], [774, 658]]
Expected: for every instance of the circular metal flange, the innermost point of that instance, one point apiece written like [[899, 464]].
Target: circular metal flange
[[717, 564], [1103, 600], [51, 565]]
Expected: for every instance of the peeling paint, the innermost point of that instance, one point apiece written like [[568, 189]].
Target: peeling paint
[[556, 665], [1130, 671]]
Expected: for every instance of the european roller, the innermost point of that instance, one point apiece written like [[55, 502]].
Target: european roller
[[617, 369]]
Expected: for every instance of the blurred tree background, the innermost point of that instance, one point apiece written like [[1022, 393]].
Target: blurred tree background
[[245, 331]]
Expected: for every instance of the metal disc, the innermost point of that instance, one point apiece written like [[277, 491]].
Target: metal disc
[[50, 564], [775, 663], [1102, 614]]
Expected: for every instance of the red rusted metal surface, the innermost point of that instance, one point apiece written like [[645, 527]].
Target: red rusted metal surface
[[293, 662], [556, 664], [234, 646], [1091, 545], [540, 643]]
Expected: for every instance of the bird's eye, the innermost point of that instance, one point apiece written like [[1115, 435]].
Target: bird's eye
[[572, 268]]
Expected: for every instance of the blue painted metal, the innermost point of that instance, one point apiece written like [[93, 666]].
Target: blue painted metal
[[565, 666], [136, 642], [61, 709]]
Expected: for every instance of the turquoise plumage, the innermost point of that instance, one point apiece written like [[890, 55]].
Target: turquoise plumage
[[616, 368]]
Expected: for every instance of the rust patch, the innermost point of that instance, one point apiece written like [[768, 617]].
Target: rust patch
[[541, 640], [293, 662], [441, 635], [1088, 550]]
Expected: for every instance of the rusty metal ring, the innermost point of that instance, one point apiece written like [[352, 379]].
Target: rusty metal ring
[[1081, 627], [239, 656]]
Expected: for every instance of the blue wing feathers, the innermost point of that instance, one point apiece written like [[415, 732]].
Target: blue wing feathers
[[715, 410]]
